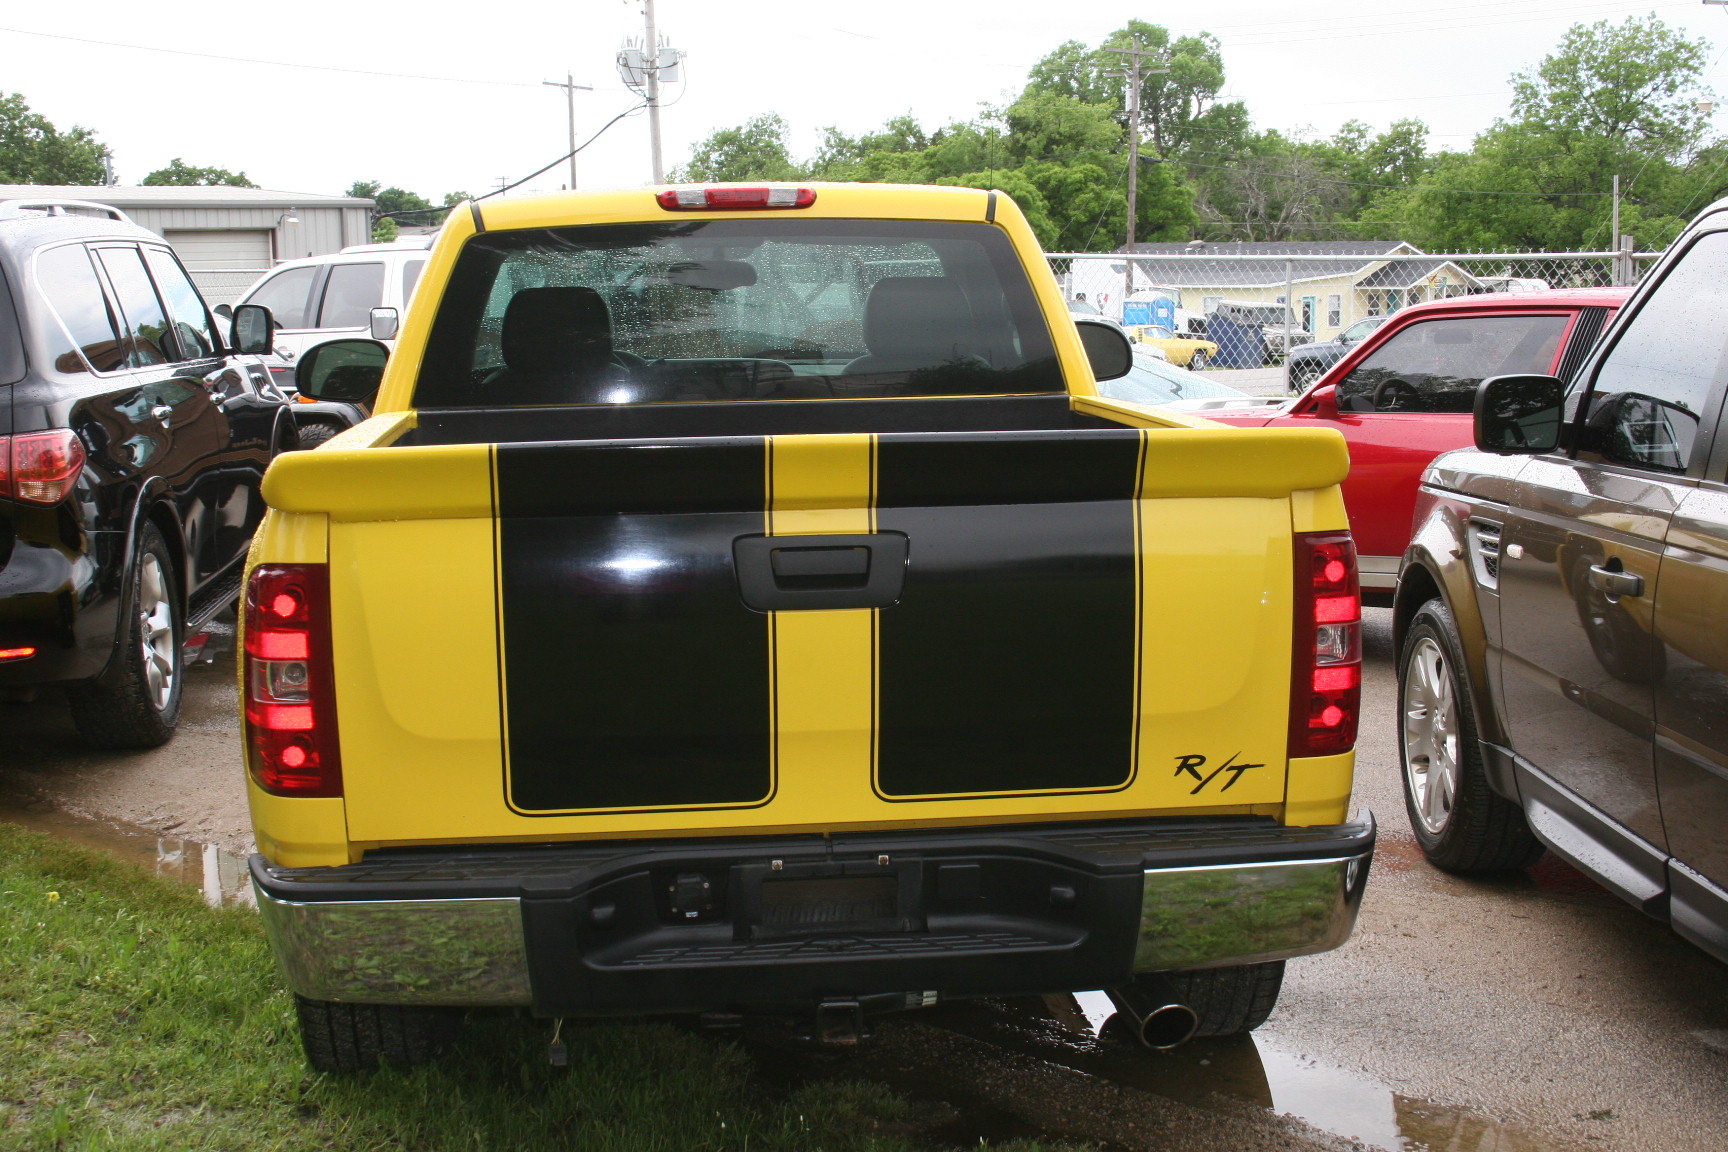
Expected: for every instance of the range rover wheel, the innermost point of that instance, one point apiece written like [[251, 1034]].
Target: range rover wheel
[[355, 1037], [1461, 824], [136, 702]]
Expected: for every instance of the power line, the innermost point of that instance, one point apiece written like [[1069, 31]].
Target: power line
[[506, 187]]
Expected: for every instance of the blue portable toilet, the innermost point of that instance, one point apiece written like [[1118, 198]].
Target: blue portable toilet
[[1164, 313], [1137, 312]]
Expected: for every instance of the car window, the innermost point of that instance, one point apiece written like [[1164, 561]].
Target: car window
[[736, 310], [74, 291], [1155, 381], [11, 337], [410, 277], [144, 325], [285, 295], [1158, 332], [1357, 331], [350, 294], [1435, 365], [192, 330], [1665, 367]]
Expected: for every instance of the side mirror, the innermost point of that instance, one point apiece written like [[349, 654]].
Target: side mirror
[[385, 323], [1321, 403], [1519, 415], [253, 329], [223, 311], [346, 370], [1107, 349]]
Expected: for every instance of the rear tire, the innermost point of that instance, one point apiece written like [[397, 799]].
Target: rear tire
[[312, 435], [355, 1037], [1461, 824], [135, 703], [1197, 362], [1228, 1001]]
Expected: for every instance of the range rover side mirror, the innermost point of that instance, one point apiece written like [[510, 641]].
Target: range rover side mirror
[[1519, 415], [1107, 349], [346, 370], [253, 329], [384, 323]]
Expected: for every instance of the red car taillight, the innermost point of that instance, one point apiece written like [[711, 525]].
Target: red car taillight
[[726, 196], [291, 744], [40, 467], [1326, 652]]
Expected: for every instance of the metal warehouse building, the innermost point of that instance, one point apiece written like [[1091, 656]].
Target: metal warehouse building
[[227, 237]]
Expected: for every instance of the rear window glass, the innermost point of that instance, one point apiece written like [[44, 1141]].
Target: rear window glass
[[74, 292], [350, 294], [11, 339], [736, 310]]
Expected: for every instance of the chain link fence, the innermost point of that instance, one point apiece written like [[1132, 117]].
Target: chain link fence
[[1257, 301]]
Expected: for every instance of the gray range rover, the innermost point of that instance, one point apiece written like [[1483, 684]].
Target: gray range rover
[[1562, 613]]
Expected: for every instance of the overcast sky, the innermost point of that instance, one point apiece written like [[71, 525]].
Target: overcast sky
[[461, 103]]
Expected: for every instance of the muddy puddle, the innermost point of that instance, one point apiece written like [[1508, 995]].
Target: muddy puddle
[[219, 876], [919, 1057]]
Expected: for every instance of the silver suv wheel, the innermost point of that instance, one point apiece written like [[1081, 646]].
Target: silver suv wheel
[[156, 639], [1430, 713]]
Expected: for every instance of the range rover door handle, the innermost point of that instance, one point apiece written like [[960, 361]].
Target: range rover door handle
[[1615, 582], [837, 571]]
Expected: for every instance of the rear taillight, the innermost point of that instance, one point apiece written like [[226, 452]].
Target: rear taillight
[[40, 467], [727, 196], [21, 653], [291, 743], [1326, 672]]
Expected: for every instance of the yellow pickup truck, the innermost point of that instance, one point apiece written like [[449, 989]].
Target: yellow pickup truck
[[742, 600]]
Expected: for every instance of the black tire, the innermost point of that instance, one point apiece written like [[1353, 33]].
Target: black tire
[[355, 1037], [1303, 374], [1228, 1001], [312, 435], [1197, 362], [128, 706], [1474, 829]]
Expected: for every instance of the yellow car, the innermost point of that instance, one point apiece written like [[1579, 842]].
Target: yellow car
[[1182, 351]]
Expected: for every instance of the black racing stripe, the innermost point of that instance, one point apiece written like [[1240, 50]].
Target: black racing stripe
[[634, 677], [1009, 663]]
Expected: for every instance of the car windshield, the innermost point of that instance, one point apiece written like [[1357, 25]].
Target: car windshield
[[760, 309], [1154, 381]]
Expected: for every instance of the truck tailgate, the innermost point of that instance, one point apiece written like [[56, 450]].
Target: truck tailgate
[[804, 633]]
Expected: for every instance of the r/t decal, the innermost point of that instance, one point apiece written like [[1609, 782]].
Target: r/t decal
[[1192, 765]]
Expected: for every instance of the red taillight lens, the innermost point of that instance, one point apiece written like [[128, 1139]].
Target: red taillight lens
[[727, 196], [40, 467], [291, 744], [23, 653], [1326, 650]]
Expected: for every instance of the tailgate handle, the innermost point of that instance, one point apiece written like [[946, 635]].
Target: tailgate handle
[[802, 573]]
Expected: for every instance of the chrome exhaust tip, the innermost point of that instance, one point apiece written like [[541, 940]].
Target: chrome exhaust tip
[[1160, 1021]]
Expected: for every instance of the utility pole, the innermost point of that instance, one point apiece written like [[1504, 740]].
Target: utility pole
[[651, 53], [570, 87], [1135, 69]]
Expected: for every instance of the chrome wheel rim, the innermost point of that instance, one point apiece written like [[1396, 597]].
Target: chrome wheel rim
[[156, 632], [1430, 710]]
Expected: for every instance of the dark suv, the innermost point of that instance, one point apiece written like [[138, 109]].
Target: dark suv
[[1562, 612], [133, 437]]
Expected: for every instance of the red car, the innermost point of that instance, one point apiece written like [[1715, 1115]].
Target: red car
[[1405, 394]]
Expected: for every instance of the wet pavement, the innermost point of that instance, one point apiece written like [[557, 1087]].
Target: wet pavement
[[1525, 1012]]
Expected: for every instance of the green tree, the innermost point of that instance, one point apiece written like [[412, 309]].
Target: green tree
[[182, 174], [385, 229], [1610, 100], [755, 150], [33, 151]]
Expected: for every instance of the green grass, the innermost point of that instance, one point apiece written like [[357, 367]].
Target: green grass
[[132, 1016]]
